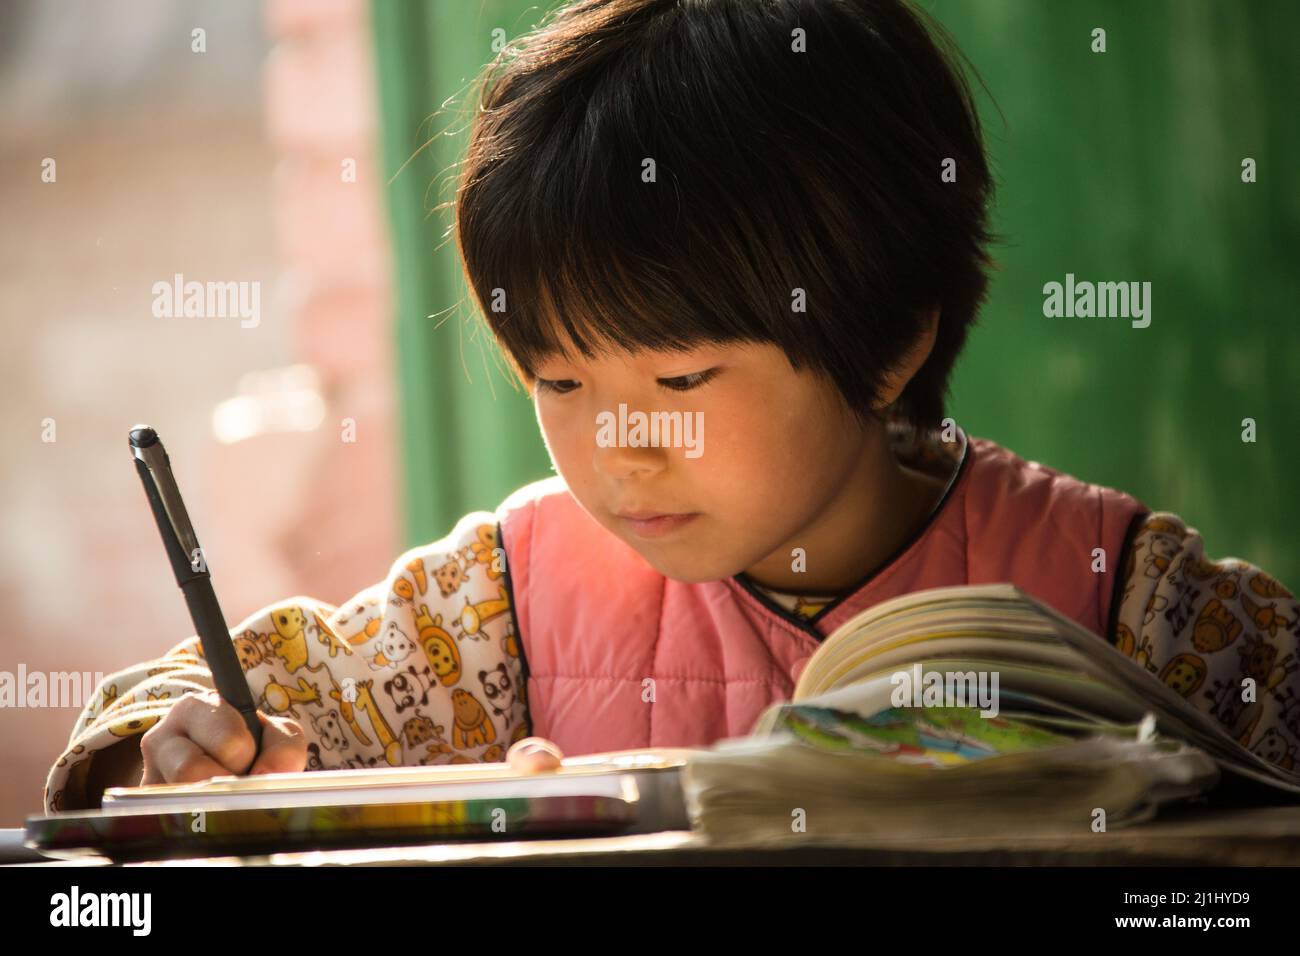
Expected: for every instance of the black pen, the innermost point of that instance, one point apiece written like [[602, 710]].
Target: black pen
[[191, 568]]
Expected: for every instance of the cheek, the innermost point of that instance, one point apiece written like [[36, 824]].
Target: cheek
[[569, 445], [749, 454], [766, 458], [557, 433]]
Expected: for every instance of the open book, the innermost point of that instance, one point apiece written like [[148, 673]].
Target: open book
[[959, 711]]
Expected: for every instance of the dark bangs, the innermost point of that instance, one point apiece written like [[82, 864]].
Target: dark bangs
[[773, 171]]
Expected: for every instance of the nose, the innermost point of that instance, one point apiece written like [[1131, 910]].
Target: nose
[[621, 461], [622, 450]]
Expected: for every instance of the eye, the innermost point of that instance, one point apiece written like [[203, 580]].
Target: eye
[[680, 383], [558, 387], [684, 383]]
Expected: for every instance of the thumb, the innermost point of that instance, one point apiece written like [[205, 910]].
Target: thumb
[[284, 746], [534, 755]]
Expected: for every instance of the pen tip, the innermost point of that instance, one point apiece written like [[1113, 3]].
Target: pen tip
[[142, 436]]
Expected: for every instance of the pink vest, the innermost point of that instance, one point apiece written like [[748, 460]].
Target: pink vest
[[596, 620]]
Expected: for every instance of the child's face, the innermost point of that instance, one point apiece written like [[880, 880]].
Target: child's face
[[772, 459]]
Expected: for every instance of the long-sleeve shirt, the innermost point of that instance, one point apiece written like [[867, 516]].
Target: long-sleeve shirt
[[424, 666]]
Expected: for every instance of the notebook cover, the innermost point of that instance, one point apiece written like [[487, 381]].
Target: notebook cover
[[152, 834]]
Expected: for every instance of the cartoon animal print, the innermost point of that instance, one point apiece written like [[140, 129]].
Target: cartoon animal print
[[394, 647], [1162, 551], [422, 730], [439, 646], [404, 687], [472, 727], [419, 729], [1274, 748], [252, 649], [367, 633], [281, 698], [1185, 673], [1289, 711], [474, 616], [1125, 640], [450, 575], [1265, 617], [498, 689], [1155, 604], [1227, 584], [416, 567], [1162, 526], [364, 703], [1127, 643], [74, 752], [1259, 661], [330, 639], [138, 725], [1237, 715], [1267, 587], [1198, 569], [806, 608], [404, 589], [509, 642], [329, 730], [1181, 612], [1215, 627], [314, 761], [1260, 664], [484, 551], [289, 642], [343, 616]]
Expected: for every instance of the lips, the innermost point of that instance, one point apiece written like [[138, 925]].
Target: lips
[[655, 524]]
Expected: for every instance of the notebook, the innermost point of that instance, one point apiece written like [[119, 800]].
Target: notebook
[[623, 792]]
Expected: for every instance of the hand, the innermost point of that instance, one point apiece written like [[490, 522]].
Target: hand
[[534, 755], [202, 736]]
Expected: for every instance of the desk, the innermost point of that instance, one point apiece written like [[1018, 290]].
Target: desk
[[1255, 836]]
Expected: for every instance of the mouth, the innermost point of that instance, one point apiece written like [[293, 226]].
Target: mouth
[[653, 524]]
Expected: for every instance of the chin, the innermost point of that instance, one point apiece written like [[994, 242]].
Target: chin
[[686, 571]]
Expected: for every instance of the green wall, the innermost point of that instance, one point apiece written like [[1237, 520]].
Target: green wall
[[467, 431], [1126, 165], [1119, 166]]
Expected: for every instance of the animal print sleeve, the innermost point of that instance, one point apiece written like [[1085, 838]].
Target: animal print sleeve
[[1222, 633], [421, 668]]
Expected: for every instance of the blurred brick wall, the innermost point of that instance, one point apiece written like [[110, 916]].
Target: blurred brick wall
[[326, 519], [171, 162]]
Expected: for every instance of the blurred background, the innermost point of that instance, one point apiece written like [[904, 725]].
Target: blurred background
[[304, 145]]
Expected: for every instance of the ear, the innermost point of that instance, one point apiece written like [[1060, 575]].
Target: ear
[[896, 378]]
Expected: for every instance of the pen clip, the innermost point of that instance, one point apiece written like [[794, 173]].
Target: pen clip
[[148, 449]]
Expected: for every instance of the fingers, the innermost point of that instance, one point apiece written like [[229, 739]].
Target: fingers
[[177, 759], [284, 746], [534, 755], [218, 729], [202, 736]]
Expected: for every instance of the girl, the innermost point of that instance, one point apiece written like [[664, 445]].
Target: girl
[[769, 219]]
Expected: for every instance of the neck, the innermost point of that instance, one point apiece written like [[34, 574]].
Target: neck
[[879, 505]]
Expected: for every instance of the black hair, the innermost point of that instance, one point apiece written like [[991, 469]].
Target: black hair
[[776, 170]]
